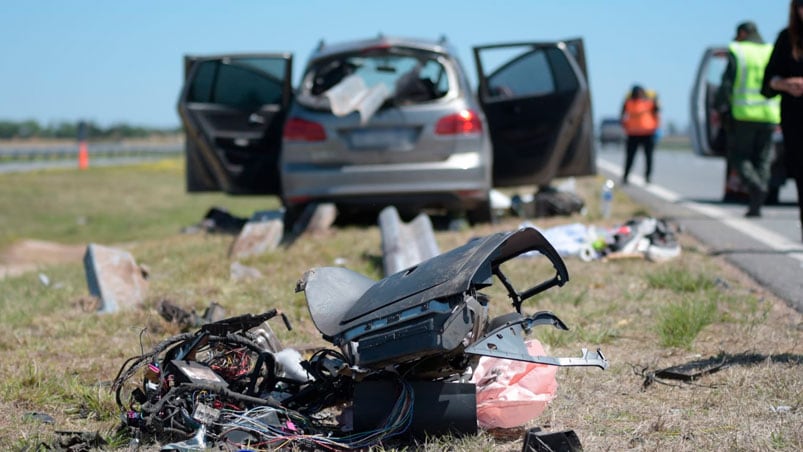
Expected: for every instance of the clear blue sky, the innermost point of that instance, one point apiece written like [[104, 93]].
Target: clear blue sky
[[114, 61]]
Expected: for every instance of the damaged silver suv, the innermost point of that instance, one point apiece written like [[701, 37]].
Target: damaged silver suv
[[388, 121]]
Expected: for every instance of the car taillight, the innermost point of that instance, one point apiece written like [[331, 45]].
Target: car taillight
[[297, 129], [464, 122]]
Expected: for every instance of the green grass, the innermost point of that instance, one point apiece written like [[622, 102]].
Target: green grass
[[108, 205], [679, 323], [680, 280]]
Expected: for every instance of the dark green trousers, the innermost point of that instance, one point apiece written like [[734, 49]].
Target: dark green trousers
[[750, 152]]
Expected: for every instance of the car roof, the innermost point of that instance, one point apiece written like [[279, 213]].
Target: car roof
[[325, 50]]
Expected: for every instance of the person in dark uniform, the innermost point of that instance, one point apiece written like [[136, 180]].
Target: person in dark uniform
[[784, 75]]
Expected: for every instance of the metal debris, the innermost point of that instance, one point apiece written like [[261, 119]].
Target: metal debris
[[412, 337], [405, 245]]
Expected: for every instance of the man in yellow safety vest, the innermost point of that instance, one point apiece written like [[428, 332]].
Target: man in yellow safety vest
[[753, 117]]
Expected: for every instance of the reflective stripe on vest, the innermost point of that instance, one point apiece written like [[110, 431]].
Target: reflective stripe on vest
[[639, 117], [747, 103]]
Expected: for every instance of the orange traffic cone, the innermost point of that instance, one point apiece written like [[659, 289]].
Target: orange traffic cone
[[83, 155]]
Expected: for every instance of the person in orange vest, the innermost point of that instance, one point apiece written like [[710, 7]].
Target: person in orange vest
[[641, 120]]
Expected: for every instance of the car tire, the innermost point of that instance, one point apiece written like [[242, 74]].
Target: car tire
[[482, 213], [292, 215]]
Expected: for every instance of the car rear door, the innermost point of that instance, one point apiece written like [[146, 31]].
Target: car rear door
[[707, 134], [537, 103], [233, 109]]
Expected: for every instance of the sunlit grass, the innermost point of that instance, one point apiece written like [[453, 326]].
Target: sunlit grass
[[679, 322], [679, 280], [108, 205]]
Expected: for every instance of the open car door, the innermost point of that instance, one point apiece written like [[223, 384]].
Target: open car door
[[537, 103], [233, 109], [707, 135]]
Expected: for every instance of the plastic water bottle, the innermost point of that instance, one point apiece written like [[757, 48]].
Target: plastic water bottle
[[607, 199]]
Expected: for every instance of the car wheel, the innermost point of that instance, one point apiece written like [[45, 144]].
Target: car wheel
[[292, 214]]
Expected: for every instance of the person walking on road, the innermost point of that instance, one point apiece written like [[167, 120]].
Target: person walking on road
[[640, 119], [753, 116], [784, 75]]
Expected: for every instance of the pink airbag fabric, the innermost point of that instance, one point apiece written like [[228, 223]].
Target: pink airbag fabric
[[511, 393]]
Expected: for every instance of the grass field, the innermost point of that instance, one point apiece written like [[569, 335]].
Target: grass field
[[59, 355]]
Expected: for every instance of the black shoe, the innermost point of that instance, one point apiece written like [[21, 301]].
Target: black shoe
[[756, 200]]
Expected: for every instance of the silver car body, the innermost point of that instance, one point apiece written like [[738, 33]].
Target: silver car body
[[388, 121], [397, 151]]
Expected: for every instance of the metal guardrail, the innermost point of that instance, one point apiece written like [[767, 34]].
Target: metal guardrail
[[70, 151]]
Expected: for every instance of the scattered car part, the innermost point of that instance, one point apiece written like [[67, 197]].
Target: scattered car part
[[507, 342], [693, 370], [115, 278], [537, 440], [440, 408], [420, 330], [405, 244], [512, 393]]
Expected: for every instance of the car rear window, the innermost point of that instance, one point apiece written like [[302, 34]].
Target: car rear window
[[403, 76]]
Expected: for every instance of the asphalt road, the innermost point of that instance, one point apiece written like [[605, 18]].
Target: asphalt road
[[688, 189]]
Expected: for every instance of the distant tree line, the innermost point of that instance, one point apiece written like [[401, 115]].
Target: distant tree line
[[30, 129]]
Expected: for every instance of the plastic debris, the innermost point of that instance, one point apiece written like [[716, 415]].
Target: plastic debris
[[512, 393], [404, 350], [640, 237]]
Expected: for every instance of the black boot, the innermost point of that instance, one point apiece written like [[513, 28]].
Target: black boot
[[757, 197]]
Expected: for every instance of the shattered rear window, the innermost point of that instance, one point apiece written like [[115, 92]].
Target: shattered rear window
[[398, 76]]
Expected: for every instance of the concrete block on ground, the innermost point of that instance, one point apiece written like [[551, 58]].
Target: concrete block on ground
[[257, 237], [316, 219], [405, 245], [114, 277]]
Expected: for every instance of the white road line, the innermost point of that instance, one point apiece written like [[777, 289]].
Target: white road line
[[769, 238]]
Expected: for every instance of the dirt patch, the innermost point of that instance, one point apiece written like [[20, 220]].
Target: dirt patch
[[29, 255]]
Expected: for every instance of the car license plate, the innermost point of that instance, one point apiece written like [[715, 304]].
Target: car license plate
[[392, 139]]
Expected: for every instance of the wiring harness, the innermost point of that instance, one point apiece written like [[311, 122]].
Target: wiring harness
[[225, 385]]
